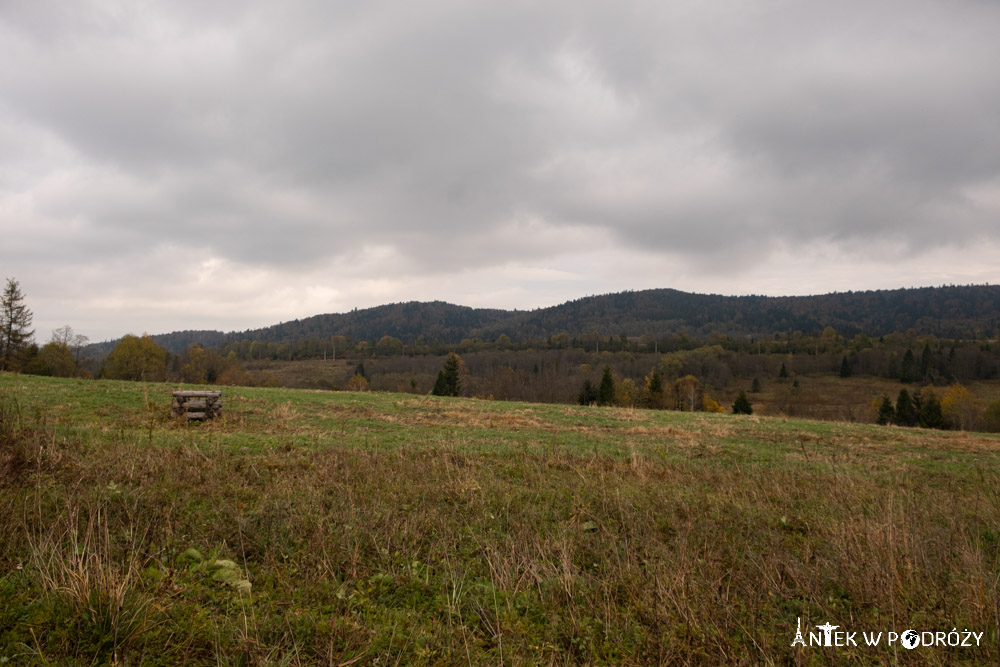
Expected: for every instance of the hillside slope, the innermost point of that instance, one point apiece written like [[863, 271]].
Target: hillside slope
[[954, 312]]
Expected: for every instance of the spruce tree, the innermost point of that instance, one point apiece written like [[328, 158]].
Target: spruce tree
[[845, 367], [588, 394], [742, 405], [926, 361], [449, 380], [606, 390], [931, 415], [653, 390], [908, 370], [440, 386], [906, 413], [886, 413]]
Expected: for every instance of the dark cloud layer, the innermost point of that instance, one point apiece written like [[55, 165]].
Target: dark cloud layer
[[462, 142]]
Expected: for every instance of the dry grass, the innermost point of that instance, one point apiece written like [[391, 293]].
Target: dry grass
[[75, 559], [636, 539]]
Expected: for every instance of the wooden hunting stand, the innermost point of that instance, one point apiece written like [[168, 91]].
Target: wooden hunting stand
[[196, 404]]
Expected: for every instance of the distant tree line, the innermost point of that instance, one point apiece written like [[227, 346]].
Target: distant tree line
[[627, 321], [957, 409], [677, 371], [906, 357]]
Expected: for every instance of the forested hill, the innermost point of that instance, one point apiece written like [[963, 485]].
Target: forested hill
[[943, 311], [954, 312], [435, 320]]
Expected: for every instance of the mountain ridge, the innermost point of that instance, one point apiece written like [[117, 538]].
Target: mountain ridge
[[948, 311]]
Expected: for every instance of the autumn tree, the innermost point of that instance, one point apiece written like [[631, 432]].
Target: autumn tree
[[72, 340], [388, 345], [200, 365], [15, 320], [652, 392], [689, 394], [711, 405], [958, 407], [357, 383], [626, 393], [559, 341], [54, 359], [830, 339], [991, 417], [137, 359]]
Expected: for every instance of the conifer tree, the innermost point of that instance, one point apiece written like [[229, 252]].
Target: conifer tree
[[931, 415], [15, 320], [742, 405], [588, 394], [440, 386], [653, 393], [449, 381], [906, 413], [926, 361], [908, 371], [655, 383], [606, 390], [886, 413]]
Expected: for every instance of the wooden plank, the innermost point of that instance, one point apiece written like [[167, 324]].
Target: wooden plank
[[196, 403]]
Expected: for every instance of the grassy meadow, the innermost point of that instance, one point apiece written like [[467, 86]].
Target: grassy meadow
[[310, 527]]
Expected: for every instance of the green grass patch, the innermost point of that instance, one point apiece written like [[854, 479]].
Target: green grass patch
[[308, 527]]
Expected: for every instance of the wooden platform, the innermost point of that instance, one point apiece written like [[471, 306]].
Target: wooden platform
[[196, 404]]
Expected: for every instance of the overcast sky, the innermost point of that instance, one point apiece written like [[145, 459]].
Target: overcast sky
[[227, 165]]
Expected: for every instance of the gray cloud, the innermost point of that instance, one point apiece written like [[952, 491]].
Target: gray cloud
[[304, 139]]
